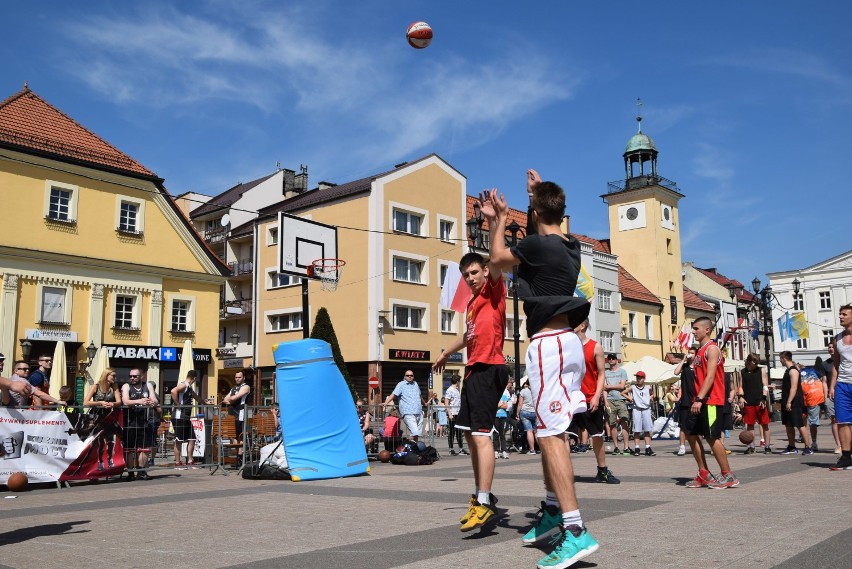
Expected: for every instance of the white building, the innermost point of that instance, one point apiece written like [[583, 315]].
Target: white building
[[823, 289]]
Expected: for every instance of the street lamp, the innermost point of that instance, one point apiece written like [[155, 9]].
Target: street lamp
[[91, 350], [26, 348], [235, 339], [763, 301], [474, 227]]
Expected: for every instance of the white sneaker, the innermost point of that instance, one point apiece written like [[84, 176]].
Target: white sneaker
[[505, 454], [681, 451], [496, 454]]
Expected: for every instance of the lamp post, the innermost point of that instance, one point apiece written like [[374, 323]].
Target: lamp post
[[235, 339], [26, 348], [476, 236], [763, 301], [91, 350]]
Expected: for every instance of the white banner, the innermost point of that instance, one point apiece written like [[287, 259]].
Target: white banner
[[47, 447]]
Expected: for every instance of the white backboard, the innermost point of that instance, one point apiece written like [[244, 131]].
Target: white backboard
[[301, 241]]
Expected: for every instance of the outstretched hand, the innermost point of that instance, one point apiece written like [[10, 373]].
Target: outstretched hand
[[492, 204], [533, 180]]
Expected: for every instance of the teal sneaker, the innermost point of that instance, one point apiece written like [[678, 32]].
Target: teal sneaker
[[548, 523], [572, 544]]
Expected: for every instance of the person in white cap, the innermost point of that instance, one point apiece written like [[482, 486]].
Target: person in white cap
[[640, 395]]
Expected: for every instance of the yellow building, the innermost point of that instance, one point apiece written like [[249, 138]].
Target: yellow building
[[645, 234], [94, 250], [397, 232]]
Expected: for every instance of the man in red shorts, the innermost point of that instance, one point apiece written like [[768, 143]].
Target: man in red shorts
[[753, 395], [709, 405], [485, 379]]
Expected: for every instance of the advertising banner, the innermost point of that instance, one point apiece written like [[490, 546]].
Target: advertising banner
[[55, 446]]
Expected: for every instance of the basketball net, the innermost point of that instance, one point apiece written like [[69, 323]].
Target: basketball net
[[328, 272]]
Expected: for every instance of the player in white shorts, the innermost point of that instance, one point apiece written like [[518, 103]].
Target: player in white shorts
[[555, 368]]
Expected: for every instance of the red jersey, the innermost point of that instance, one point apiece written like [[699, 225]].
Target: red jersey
[[486, 324], [716, 395], [590, 379]]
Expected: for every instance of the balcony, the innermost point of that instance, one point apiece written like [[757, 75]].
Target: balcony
[[242, 267], [233, 309], [642, 181], [216, 235]]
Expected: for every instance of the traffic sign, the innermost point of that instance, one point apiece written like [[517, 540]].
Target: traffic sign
[[373, 382]]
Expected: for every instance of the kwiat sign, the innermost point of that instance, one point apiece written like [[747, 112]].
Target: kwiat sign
[[154, 353]]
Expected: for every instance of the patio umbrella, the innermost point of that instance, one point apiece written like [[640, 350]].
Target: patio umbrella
[[59, 372], [186, 364], [99, 363], [657, 372]]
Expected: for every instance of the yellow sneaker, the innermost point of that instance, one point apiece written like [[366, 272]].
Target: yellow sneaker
[[471, 508], [482, 513]]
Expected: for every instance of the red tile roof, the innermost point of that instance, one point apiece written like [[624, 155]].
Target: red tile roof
[[632, 289], [693, 302], [28, 122], [743, 295]]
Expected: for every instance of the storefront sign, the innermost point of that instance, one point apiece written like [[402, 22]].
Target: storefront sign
[[419, 355], [456, 358], [155, 353], [232, 363], [50, 335]]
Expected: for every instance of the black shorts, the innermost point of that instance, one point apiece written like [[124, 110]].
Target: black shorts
[[688, 422], [482, 388], [711, 421], [729, 419], [184, 430], [238, 429], [592, 421], [793, 417]]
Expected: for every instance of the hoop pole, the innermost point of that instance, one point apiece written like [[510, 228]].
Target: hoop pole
[[306, 331]]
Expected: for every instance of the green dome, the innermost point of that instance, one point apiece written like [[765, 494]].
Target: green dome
[[640, 141]]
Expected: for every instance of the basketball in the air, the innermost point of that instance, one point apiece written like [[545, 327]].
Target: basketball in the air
[[746, 437], [419, 35], [384, 456], [17, 482]]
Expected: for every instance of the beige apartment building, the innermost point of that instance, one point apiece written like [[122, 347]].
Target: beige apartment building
[[397, 232]]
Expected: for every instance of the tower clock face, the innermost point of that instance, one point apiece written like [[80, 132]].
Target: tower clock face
[[632, 213]]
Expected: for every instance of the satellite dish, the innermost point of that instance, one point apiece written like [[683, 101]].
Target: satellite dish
[[226, 220]]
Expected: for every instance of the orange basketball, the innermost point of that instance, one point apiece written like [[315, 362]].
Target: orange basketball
[[384, 456], [17, 482], [419, 35], [746, 437]]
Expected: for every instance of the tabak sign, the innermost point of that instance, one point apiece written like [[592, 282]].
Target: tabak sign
[[402, 354], [155, 353]]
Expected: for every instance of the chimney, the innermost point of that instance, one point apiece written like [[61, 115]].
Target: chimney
[[326, 185], [289, 181], [301, 179]]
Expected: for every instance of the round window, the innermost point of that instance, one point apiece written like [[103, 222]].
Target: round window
[[632, 213], [667, 214]]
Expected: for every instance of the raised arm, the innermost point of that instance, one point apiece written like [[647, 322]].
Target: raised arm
[[496, 210]]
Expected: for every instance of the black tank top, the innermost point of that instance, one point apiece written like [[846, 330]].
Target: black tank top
[[753, 386]]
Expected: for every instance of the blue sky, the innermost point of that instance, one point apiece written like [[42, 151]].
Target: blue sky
[[749, 103]]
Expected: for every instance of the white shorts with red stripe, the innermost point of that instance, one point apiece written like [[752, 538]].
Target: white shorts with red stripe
[[555, 368]]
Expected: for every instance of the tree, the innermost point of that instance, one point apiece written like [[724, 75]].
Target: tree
[[324, 330]]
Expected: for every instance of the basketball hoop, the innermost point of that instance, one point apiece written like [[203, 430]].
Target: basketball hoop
[[327, 271]]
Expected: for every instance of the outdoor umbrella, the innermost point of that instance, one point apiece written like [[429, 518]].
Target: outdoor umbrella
[[657, 372], [59, 373], [99, 363], [186, 364]]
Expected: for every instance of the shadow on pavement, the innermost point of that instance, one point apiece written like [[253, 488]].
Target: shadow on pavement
[[23, 534]]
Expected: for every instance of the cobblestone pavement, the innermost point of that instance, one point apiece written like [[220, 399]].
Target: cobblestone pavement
[[790, 511]]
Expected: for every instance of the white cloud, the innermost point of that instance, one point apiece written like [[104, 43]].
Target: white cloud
[[786, 61]]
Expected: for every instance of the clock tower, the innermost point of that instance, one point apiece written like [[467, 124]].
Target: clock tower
[[645, 231]]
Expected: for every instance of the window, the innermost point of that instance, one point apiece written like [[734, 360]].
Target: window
[[125, 311], [60, 205], [649, 327], [274, 279], [445, 230], [60, 202], [604, 299], [54, 309], [180, 316], [406, 222], [827, 337], [509, 332], [407, 270], [802, 343], [825, 300], [607, 341], [448, 321], [632, 332], [129, 215], [285, 322], [272, 236], [798, 302], [408, 317], [442, 274]]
